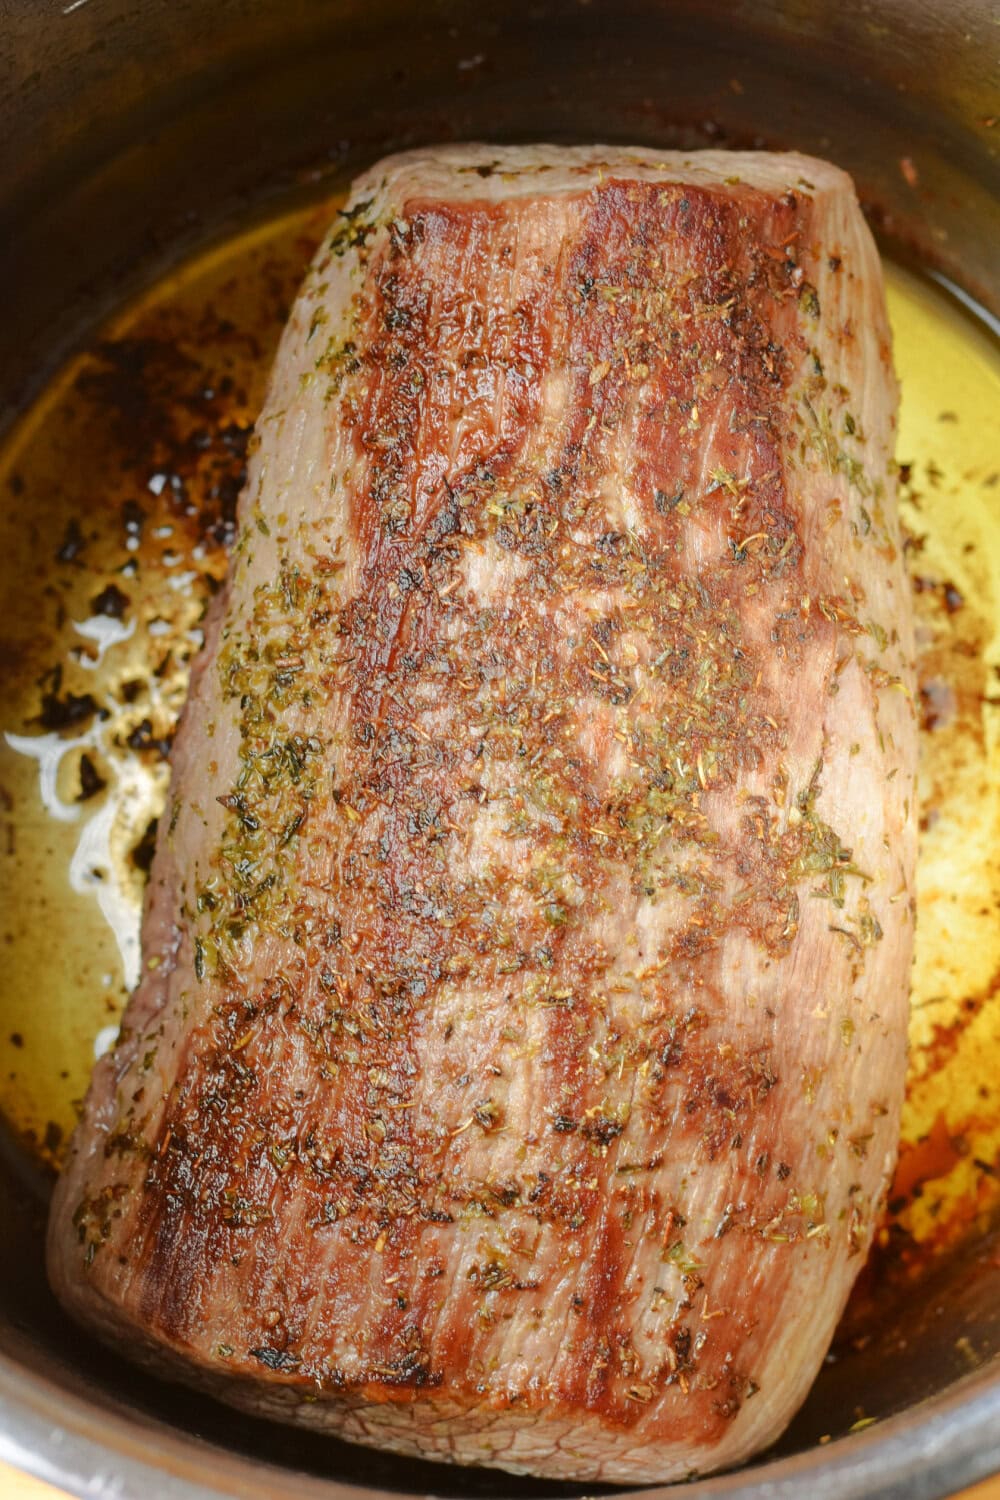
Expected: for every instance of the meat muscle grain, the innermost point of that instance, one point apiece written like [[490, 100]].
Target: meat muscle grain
[[516, 1070]]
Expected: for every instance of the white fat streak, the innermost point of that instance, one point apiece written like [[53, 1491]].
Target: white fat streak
[[48, 750], [106, 632], [96, 867]]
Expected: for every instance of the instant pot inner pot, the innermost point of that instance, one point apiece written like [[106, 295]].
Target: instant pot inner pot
[[136, 133]]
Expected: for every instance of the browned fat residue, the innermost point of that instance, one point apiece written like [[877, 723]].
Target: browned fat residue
[[946, 1037], [176, 428], [954, 678], [932, 1157]]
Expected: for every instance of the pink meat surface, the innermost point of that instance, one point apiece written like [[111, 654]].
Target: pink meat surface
[[516, 1071]]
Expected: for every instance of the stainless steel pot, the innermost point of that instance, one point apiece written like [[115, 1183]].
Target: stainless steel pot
[[134, 132]]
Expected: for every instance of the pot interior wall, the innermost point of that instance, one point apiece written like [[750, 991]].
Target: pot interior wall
[[110, 105], [137, 132]]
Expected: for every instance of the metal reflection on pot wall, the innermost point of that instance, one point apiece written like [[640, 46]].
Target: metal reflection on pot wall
[[140, 133]]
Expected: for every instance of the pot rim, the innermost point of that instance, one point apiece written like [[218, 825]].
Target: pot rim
[[920, 1453]]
